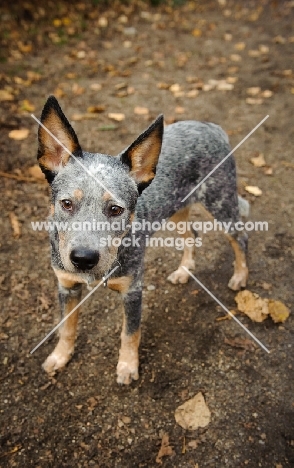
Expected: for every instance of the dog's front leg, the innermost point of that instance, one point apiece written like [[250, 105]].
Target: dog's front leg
[[69, 297], [128, 363]]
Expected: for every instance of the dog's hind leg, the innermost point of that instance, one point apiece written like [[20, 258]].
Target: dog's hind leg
[[69, 297], [180, 275]]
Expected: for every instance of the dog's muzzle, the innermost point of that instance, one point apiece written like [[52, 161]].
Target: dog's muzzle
[[84, 259]]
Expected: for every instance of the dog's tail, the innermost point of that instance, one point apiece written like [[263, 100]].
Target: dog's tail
[[244, 207]]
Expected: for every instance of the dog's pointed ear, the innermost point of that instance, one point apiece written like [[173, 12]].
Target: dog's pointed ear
[[57, 140], [142, 156]]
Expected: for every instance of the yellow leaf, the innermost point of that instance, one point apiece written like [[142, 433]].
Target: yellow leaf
[[57, 22], [240, 46], [252, 305], [66, 21], [20, 134], [27, 106], [196, 32], [278, 311]]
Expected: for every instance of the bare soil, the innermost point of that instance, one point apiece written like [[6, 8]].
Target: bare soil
[[136, 52]]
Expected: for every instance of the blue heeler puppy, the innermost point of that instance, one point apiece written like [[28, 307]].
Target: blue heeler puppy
[[127, 191]]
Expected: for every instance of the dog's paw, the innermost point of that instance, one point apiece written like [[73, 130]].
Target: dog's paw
[[179, 276], [56, 361], [238, 280], [126, 372]]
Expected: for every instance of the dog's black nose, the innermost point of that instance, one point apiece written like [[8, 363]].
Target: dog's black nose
[[84, 259]]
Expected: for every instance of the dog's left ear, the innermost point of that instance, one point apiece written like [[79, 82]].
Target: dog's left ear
[[142, 156], [57, 140]]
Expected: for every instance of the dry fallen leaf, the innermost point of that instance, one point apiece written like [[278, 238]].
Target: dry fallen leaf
[[253, 101], [258, 161], [193, 413], [278, 311], [268, 170], [165, 449], [240, 46], [253, 91], [252, 305], [15, 225], [241, 343], [96, 86], [267, 93], [6, 95], [96, 109], [253, 190], [20, 134], [141, 110], [35, 172], [27, 106], [116, 116]]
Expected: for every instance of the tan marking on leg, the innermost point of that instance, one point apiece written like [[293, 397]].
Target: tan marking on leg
[[78, 194], [121, 284], [240, 275], [67, 335], [180, 275], [132, 215], [64, 277], [128, 362], [52, 210]]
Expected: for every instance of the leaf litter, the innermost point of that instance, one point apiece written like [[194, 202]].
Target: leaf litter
[[259, 309]]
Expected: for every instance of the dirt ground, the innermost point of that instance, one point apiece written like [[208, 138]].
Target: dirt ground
[[159, 58]]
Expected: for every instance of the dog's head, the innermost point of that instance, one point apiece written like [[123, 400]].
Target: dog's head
[[93, 195]]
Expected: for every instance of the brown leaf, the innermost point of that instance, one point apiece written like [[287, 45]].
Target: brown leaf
[[194, 292], [243, 343], [20, 134], [96, 109], [165, 449]]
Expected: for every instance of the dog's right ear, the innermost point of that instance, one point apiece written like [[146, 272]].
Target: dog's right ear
[[57, 140]]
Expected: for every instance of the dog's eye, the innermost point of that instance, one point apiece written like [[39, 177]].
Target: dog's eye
[[66, 204], [115, 210]]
